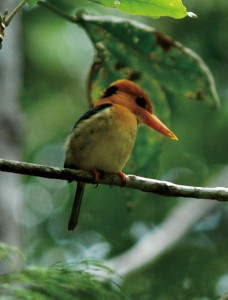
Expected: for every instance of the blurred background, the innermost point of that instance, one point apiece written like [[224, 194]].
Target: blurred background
[[44, 66]]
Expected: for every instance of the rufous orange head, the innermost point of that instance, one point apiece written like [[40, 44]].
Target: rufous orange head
[[129, 94]]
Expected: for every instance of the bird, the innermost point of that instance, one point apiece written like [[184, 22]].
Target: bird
[[103, 138]]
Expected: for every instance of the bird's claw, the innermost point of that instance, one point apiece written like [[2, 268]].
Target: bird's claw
[[96, 175], [123, 178]]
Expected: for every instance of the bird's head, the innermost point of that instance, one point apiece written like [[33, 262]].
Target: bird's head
[[128, 94]]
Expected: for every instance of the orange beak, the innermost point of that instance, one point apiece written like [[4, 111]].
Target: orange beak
[[152, 121]]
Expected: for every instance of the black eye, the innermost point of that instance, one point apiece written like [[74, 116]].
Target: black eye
[[141, 101], [110, 91]]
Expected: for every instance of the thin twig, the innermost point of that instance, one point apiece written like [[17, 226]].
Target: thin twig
[[159, 187], [14, 12]]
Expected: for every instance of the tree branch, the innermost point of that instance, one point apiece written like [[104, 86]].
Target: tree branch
[[159, 187], [14, 12], [6, 18]]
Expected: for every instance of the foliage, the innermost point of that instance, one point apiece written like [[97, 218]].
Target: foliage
[[6, 252], [151, 8], [32, 2], [61, 282], [127, 49]]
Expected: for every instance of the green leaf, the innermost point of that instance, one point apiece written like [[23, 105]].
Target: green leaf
[[150, 8], [31, 3], [161, 66], [7, 251], [129, 49]]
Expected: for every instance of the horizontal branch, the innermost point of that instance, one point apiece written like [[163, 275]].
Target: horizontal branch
[[159, 187]]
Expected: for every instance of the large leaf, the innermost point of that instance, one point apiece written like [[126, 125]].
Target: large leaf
[[130, 49], [127, 49], [151, 8]]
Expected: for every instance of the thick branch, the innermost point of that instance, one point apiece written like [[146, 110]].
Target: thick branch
[[135, 182]]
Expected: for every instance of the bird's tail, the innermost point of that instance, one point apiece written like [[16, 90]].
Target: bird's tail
[[76, 206]]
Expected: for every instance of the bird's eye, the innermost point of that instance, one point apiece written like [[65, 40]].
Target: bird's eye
[[141, 101], [110, 91]]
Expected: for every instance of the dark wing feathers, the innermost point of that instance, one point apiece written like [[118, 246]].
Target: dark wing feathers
[[91, 112]]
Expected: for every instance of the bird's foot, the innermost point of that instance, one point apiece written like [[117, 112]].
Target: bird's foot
[[123, 177], [96, 175]]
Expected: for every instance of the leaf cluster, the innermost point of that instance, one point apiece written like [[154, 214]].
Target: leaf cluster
[[61, 281]]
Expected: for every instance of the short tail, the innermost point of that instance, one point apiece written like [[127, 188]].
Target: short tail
[[76, 206]]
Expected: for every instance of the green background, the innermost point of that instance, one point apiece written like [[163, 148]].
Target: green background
[[57, 59]]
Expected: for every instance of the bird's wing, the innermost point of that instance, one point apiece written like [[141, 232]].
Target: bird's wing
[[91, 112]]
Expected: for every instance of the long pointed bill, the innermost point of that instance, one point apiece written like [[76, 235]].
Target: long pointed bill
[[152, 121]]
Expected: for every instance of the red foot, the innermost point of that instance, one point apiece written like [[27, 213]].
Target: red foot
[[96, 175], [122, 177]]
